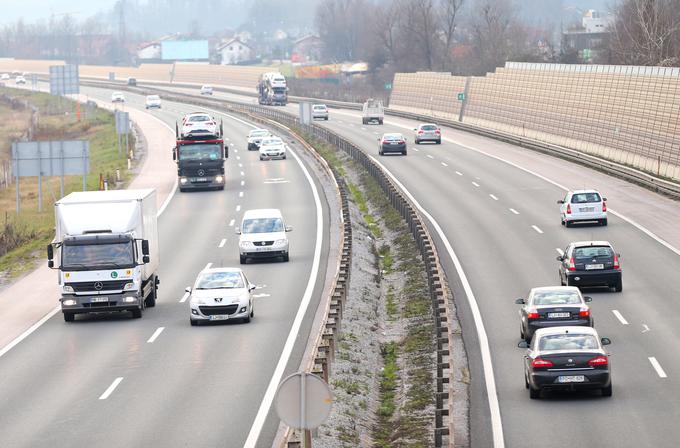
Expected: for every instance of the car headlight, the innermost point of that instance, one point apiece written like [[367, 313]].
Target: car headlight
[[69, 302], [280, 242], [183, 180], [219, 179], [244, 243], [68, 288], [128, 286]]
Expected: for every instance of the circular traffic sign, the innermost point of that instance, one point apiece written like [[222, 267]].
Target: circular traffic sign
[[303, 401]]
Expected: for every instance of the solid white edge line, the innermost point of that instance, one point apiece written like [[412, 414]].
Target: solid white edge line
[[155, 334], [254, 434], [111, 388], [620, 317], [493, 197], [559, 251], [207, 266], [490, 381], [221, 245], [243, 182], [28, 331], [514, 211], [184, 297], [240, 194], [536, 229], [657, 367]]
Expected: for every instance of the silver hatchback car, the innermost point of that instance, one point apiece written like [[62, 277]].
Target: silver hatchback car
[[428, 132]]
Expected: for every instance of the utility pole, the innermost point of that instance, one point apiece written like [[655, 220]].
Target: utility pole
[[122, 34]]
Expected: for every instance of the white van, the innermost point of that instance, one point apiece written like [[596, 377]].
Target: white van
[[263, 235]]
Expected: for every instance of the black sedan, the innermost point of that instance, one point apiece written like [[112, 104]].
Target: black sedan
[[591, 263], [392, 143], [566, 358], [553, 306]]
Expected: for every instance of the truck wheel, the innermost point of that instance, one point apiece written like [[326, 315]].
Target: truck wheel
[[69, 317], [150, 301], [242, 259], [380, 121], [137, 313]]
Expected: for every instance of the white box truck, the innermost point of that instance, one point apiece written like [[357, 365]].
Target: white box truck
[[106, 251]]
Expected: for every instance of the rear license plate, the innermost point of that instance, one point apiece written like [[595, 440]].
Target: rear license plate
[[590, 267], [99, 299], [587, 209], [571, 379], [219, 317], [558, 315]]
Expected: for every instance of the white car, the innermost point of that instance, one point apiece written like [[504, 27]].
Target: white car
[[20, 80], [583, 206], [197, 123], [4, 77], [221, 294], [272, 148], [153, 102], [206, 90], [427, 132], [263, 235], [255, 138], [117, 97], [319, 111]]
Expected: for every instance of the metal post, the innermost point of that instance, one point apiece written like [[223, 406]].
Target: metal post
[[84, 166], [15, 156], [303, 410], [61, 155], [127, 142], [466, 94], [39, 179]]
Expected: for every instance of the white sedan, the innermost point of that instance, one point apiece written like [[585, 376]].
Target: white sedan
[[221, 294], [198, 123], [272, 148], [117, 97]]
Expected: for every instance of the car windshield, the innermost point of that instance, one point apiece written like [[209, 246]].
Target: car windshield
[[262, 225], [271, 141], [568, 342], [199, 118], [89, 255], [584, 198], [429, 127], [259, 133], [153, 97], [556, 298], [199, 152], [319, 107], [593, 252], [392, 137], [220, 280]]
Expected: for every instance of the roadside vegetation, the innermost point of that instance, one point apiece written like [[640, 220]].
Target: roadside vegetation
[[25, 235]]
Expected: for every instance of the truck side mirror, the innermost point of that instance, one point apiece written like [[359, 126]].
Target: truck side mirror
[[289, 228], [174, 154], [50, 256], [145, 259], [226, 152], [145, 247]]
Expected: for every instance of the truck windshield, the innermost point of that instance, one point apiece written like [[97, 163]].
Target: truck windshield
[[199, 152], [76, 256], [279, 90]]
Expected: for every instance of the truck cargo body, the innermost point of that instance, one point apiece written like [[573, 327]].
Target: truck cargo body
[[373, 111], [107, 252]]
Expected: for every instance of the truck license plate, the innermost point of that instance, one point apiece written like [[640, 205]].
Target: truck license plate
[[201, 179], [571, 379], [99, 299], [219, 317]]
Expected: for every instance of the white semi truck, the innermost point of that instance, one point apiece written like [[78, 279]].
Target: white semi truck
[[106, 251]]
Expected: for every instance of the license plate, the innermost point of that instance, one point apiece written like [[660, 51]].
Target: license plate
[[99, 299], [201, 179], [219, 317], [558, 315], [261, 249], [571, 379], [590, 267], [587, 209]]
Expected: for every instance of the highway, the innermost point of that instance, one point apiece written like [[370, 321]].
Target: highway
[[111, 381], [502, 223]]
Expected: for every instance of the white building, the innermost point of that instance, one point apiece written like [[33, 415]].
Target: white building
[[235, 51], [149, 52], [595, 21]]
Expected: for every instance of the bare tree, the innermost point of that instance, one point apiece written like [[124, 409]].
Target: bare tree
[[492, 34], [449, 11], [420, 22]]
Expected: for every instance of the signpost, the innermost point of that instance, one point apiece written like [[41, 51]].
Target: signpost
[[122, 128], [303, 401], [64, 80]]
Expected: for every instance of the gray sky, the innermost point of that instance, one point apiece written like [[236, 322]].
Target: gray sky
[[32, 10]]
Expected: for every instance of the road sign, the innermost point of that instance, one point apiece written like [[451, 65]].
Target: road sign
[[122, 122], [303, 401], [305, 113], [461, 96], [388, 86], [64, 80]]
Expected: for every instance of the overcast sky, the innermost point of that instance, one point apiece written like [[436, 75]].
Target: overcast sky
[[32, 10]]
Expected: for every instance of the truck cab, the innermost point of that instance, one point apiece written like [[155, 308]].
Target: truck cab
[[200, 161]]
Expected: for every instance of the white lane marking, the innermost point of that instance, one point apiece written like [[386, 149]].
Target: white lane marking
[[487, 365], [475, 184], [514, 211], [415, 149], [363, 128], [276, 181], [238, 208], [242, 173], [240, 194], [620, 317], [561, 253], [645, 328], [444, 164], [657, 367], [238, 157], [30, 330], [207, 266], [235, 150], [430, 156], [222, 243], [536, 229], [376, 133], [184, 297], [493, 197], [243, 182], [459, 173], [240, 165], [261, 295], [231, 223], [111, 388], [155, 334], [265, 406]]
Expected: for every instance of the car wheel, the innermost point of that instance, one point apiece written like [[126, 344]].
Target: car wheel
[[403, 153], [603, 222], [618, 287], [242, 259], [69, 317], [194, 323], [246, 320], [439, 142], [380, 121], [528, 336], [284, 157], [607, 391], [526, 382], [521, 331], [380, 152], [417, 142], [326, 118], [567, 223], [286, 257], [261, 158], [534, 393]]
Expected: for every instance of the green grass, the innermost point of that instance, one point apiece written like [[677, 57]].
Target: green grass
[[389, 377]]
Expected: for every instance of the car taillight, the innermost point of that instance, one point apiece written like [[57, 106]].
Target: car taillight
[[401, 142], [604, 206], [568, 209], [540, 363], [572, 264], [421, 132], [598, 361], [616, 262], [584, 312], [533, 314], [437, 132]]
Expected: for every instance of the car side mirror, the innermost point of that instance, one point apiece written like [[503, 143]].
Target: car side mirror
[[523, 344], [604, 199], [251, 287], [618, 255], [559, 258], [588, 299], [561, 201], [520, 301], [605, 341], [289, 228], [237, 231], [188, 289]]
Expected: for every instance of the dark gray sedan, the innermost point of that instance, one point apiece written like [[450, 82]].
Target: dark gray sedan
[[395, 143]]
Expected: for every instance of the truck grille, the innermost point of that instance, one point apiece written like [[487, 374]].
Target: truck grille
[[263, 243], [215, 310], [109, 285]]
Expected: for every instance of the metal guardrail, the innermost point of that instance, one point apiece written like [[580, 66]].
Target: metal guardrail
[[443, 435]]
